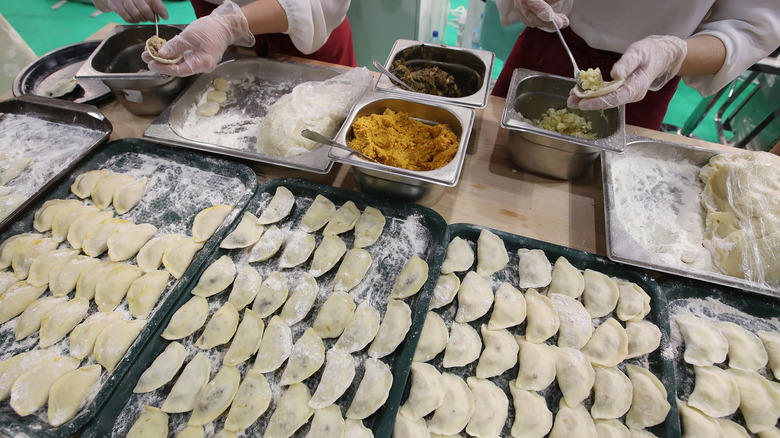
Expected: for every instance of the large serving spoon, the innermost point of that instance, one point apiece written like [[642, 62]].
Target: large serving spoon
[[579, 90], [316, 136], [387, 73]]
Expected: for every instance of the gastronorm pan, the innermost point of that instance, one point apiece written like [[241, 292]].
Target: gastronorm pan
[[409, 185], [625, 248], [471, 68], [257, 83]]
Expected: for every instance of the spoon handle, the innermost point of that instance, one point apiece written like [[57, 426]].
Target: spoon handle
[[387, 73], [573, 62], [156, 29], [316, 136]]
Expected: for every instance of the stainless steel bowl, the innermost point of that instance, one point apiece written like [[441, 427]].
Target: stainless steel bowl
[[468, 66], [551, 153], [423, 187], [117, 62]]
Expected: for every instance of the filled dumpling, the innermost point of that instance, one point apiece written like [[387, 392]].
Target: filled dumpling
[[460, 256], [279, 207], [456, 410], [500, 354], [306, 357], [190, 382], [246, 233], [463, 346], [334, 315], [301, 299], [369, 227], [491, 254], [216, 278], [475, 298], [335, 380], [208, 220], [533, 268], [392, 330], [373, 390], [426, 393]]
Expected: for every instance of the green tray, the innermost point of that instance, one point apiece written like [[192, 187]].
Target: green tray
[[181, 183], [660, 366], [750, 310], [410, 229]]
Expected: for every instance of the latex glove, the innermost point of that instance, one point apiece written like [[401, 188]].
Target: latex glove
[[134, 11], [540, 13], [204, 41], [647, 64]]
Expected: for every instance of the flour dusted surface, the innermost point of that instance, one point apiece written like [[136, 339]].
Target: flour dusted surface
[[657, 202]]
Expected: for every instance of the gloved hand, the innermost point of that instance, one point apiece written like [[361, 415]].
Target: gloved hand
[[204, 41], [134, 11], [540, 13], [647, 64]]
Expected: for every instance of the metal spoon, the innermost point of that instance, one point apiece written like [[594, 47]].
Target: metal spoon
[[574, 63], [316, 136], [387, 73]]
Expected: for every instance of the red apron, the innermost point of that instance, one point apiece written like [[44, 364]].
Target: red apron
[[542, 51], [337, 50]]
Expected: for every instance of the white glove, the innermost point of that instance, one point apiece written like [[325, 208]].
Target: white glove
[[647, 64], [540, 13], [134, 11], [204, 41]]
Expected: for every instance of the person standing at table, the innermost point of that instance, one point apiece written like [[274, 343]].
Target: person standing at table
[[648, 44], [313, 29]]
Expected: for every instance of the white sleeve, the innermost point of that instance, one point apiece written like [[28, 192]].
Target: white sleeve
[[506, 12], [310, 22], [750, 30]]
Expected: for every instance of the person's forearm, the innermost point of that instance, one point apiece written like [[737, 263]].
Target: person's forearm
[[265, 16], [706, 55]]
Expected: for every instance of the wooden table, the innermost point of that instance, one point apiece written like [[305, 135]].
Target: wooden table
[[491, 191]]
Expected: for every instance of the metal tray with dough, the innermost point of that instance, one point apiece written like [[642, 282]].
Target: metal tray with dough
[[255, 84], [625, 248]]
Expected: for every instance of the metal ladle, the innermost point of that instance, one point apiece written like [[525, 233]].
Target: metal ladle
[[316, 136], [387, 73], [574, 63]]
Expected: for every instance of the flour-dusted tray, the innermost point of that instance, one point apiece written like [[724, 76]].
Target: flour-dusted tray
[[714, 304], [256, 84], [56, 134], [179, 186], [661, 366], [669, 202], [410, 230]]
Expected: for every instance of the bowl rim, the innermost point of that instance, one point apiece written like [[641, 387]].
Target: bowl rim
[[615, 142], [447, 175]]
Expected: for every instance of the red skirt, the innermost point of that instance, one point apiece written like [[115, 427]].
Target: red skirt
[[542, 51], [337, 50]]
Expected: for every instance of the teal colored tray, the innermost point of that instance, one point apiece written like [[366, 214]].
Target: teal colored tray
[[660, 366], [409, 228], [181, 183], [750, 310]]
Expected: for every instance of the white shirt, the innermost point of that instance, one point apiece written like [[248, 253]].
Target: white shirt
[[310, 22], [750, 29]]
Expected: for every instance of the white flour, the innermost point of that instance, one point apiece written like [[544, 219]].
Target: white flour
[[658, 203], [52, 146], [235, 126]]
